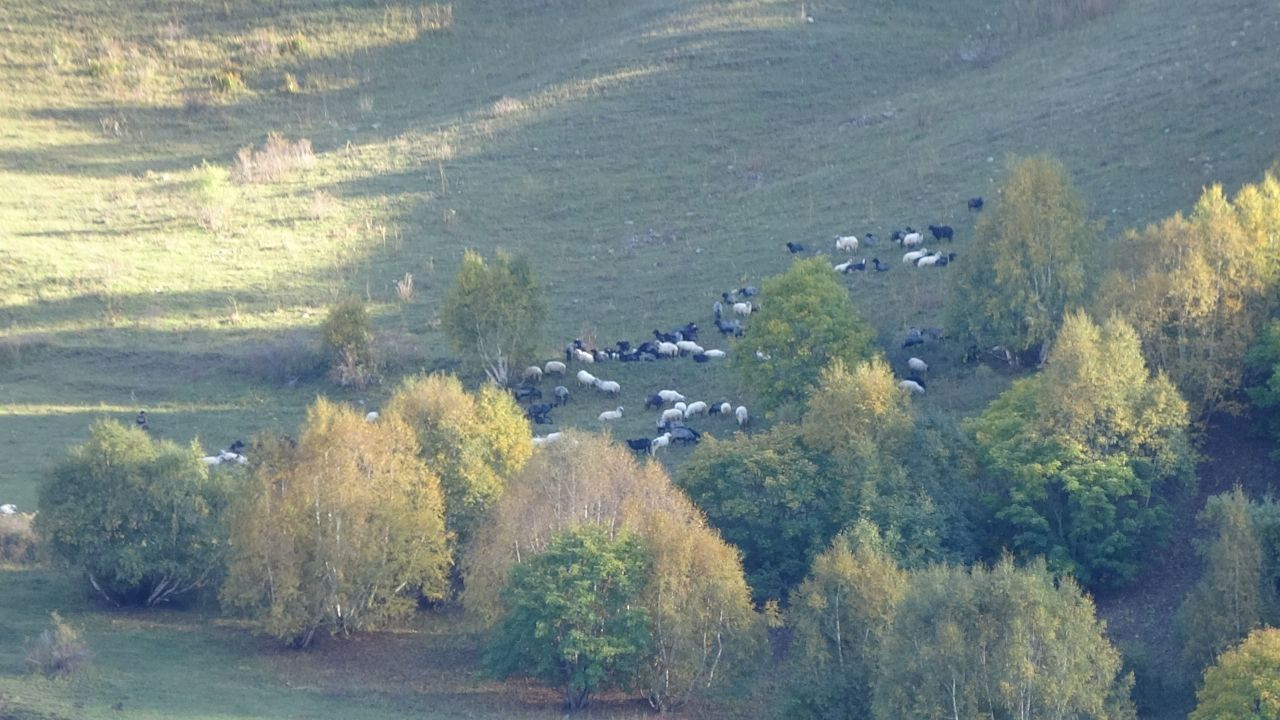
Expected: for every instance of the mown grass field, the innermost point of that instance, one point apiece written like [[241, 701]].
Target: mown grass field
[[646, 155]]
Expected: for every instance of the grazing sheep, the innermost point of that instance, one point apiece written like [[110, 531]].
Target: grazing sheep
[[668, 349], [540, 413], [794, 248], [554, 367], [741, 415], [742, 308], [611, 414], [672, 414], [912, 239], [8, 509], [942, 232], [701, 358], [583, 356], [371, 417], [880, 266], [687, 347], [639, 444], [608, 387], [913, 338], [562, 395], [725, 409], [542, 441], [732, 327], [585, 378], [713, 353], [975, 203], [525, 392], [917, 364], [680, 406], [211, 460], [695, 408], [914, 255], [533, 373], [661, 441], [844, 267], [670, 396], [684, 434], [912, 386], [717, 309], [846, 243], [655, 401]]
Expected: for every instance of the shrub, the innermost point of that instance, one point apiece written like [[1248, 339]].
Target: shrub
[[213, 195], [277, 158], [348, 343], [58, 651], [18, 544]]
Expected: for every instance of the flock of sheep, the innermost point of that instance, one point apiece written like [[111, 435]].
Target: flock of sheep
[[675, 412]]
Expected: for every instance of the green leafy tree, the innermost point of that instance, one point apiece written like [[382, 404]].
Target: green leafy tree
[[805, 322], [1227, 602], [572, 616], [840, 615], [703, 630], [140, 517], [1198, 290], [347, 341], [1026, 267], [1085, 456], [1004, 642], [1243, 684], [494, 313], [473, 441], [1263, 360], [329, 535], [768, 499]]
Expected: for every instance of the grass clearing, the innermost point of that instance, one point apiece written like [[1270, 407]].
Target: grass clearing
[[646, 154]]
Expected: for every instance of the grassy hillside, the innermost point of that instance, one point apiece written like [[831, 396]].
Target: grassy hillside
[[646, 154]]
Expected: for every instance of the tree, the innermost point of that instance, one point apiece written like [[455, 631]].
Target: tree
[[330, 534], [347, 341], [1263, 360], [1197, 289], [494, 313], [768, 499], [140, 517], [1085, 457], [1227, 601], [840, 615], [703, 631], [1027, 263], [1003, 642], [1243, 684], [806, 321], [572, 617], [474, 442]]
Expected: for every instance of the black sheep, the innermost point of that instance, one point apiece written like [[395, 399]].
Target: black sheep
[[654, 401], [794, 248], [942, 232], [975, 203], [639, 444], [880, 267]]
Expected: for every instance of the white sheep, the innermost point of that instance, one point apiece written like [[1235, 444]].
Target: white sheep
[[533, 373], [583, 356], [585, 378], [846, 243], [726, 409], [8, 509], [912, 386], [695, 408], [671, 414], [661, 441], [670, 396], [843, 267], [914, 255], [928, 260], [713, 353], [611, 414], [667, 349], [228, 456], [917, 364], [741, 414], [680, 406], [912, 239], [608, 387], [542, 441], [371, 416], [554, 367], [688, 346], [742, 308], [211, 460]]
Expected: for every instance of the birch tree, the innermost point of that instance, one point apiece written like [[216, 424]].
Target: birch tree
[[494, 313]]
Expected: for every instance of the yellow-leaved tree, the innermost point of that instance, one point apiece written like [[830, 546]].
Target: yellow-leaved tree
[[333, 533]]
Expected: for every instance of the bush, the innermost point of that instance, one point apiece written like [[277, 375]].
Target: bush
[[18, 544], [277, 158], [58, 651], [214, 196], [348, 344]]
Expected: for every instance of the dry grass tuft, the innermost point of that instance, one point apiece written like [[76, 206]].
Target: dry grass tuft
[[277, 158]]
